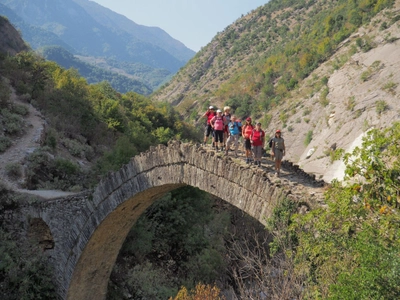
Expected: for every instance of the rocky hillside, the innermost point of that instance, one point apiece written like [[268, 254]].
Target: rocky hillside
[[12, 42], [323, 72]]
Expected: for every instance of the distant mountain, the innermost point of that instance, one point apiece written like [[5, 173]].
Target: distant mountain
[[93, 74], [89, 30], [152, 35], [35, 36], [83, 29]]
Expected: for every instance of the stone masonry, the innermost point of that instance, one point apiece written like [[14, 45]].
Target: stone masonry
[[89, 229]]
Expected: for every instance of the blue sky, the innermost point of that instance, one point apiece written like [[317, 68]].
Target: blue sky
[[193, 22]]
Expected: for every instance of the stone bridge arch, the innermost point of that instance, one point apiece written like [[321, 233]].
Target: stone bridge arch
[[90, 229]]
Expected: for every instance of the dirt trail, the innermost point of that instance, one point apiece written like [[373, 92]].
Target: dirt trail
[[23, 146]]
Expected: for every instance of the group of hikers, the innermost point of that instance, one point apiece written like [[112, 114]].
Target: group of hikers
[[226, 130]]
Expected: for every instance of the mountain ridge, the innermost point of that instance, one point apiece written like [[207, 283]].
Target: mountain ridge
[[87, 29]]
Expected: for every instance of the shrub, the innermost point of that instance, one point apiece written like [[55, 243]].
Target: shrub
[[390, 87], [13, 170], [323, 97], [336, 154], [350, 103], [12, 123], [5, 142], [21, 110], [306, 111], [5, 93], [24, 272], [381, 106], [51, 139], [78, 149], [309, 137]]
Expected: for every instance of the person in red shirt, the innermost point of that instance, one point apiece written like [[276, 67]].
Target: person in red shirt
[[257, 140], [209, 114]]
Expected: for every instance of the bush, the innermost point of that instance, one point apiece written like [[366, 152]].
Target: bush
[[24, 271], [5, 93], [21, 110], [309, 137], [77, 149], [5, 142], [13, 170], [381, 106], [350, 103], [12, 123]]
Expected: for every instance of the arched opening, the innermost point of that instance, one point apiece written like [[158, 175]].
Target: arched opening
[[92, 272], [187, 237], [39, 234]]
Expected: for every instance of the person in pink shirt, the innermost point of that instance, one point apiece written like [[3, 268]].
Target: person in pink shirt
[[217, 123]]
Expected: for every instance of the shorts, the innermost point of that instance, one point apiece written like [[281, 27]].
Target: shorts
[[278, 153], [208, 130], [233, 139], [219, 135], [247, 144], [257, 151]]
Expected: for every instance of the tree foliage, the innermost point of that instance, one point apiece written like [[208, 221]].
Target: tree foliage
[[350, 249]]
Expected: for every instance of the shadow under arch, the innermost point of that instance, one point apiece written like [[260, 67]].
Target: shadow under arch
[[121, 197]]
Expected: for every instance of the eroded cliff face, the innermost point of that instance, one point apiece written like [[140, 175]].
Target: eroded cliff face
[[360, 94], [11, 41]]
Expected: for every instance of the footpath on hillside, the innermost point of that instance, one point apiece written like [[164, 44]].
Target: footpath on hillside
[[24, 145]]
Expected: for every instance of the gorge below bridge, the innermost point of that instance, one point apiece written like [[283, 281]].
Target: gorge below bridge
[[86, 231]]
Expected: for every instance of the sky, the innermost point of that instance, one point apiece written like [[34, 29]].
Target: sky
[[192, 22]]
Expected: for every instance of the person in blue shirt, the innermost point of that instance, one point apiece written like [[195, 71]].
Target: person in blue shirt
[[233, 135]]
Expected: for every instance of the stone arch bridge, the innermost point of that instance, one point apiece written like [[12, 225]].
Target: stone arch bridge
[[87, 230]]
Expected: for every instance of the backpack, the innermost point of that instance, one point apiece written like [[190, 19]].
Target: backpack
[[270, 142]]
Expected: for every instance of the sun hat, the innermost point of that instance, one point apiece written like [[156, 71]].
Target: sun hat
[[219, 110]]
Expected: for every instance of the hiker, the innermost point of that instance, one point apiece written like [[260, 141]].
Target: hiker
[[247, 129], [209, 114], [217, 123], [234, 133], [278, 150], [257, 140], [227, 119]]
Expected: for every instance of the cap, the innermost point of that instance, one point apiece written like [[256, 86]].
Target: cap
[[278, 131], [211, 107], [218, 110], [248, 119]]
